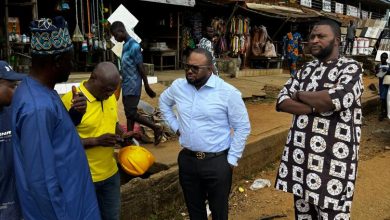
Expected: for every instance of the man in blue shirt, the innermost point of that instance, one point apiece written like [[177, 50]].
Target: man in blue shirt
[[51, 170], [9, 206], [133, 74], [209, 109]]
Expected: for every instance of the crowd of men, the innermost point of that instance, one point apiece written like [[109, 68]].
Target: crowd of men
[[57, 153]]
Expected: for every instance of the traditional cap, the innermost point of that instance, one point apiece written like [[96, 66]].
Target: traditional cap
[[50, 36], [6, 72]]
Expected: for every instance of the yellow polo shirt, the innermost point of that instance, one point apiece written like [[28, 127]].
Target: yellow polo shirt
[[100, 118]]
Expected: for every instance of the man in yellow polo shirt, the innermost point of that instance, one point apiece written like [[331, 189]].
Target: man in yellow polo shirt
[[99, 131]]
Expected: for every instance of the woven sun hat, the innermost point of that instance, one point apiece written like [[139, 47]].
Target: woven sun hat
[[50, 36]]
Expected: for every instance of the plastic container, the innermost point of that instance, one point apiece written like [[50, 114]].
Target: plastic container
[[260, 183]]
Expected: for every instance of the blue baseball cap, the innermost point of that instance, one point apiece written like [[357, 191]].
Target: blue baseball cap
[[6, 72]]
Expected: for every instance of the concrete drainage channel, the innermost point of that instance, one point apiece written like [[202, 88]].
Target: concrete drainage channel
[[158, 195]]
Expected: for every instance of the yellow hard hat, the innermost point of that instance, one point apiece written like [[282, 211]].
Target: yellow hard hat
[[135, 160]]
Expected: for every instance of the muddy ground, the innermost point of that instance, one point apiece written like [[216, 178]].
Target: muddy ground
[[372, 196]]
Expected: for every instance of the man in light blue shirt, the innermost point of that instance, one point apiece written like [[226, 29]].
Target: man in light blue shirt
[[208, 110]]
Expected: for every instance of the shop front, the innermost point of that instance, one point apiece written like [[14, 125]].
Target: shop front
[[243, 35]]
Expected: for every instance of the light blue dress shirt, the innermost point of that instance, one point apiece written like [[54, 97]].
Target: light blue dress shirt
[[206, 116]]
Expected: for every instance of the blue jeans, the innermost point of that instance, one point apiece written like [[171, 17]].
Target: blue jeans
[[108, 194]]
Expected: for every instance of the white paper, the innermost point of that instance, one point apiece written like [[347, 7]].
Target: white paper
[[124, 15], [306, 3], [117, 49], [364, 14], [63, 88], [378, 55], [352, 11], [339, 8], [128, 19], [326, 5]]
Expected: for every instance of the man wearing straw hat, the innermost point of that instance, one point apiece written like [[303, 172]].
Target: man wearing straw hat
[[52, 174]]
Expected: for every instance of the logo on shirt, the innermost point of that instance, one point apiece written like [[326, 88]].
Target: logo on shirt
[[5, 136]]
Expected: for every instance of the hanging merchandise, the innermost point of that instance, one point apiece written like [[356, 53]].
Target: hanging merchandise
[[90, 35], [196, 21], [93, 25], [84, 46], [261, 43], [77, 35], [239, 25], [82, 17], [170, 20], [103, 22], [62, 5], [223, 44], [258, 41], [235, 44], [219, 27], [242, 44], [188, 41], [99, 43], [239, 30], [96, 24]]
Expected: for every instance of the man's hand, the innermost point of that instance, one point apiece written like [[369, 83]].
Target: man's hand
[[79, 101], [150, 92], [127, 138], [108, 140], [295, 96], [128, 134]]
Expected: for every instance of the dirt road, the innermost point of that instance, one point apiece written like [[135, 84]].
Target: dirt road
[[372, 196]]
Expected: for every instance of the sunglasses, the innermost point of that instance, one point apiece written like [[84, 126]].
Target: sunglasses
[[194, 68]]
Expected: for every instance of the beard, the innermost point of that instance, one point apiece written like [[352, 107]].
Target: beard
[[198, 82], [325, 52]]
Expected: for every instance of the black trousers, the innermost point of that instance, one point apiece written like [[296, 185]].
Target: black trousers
[[205, 179], [130, 103], [348, 42]]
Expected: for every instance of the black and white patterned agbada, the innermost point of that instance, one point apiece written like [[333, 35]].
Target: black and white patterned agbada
[[320, 157]]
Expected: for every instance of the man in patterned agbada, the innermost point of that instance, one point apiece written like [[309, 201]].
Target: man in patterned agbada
[[319, 161]]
